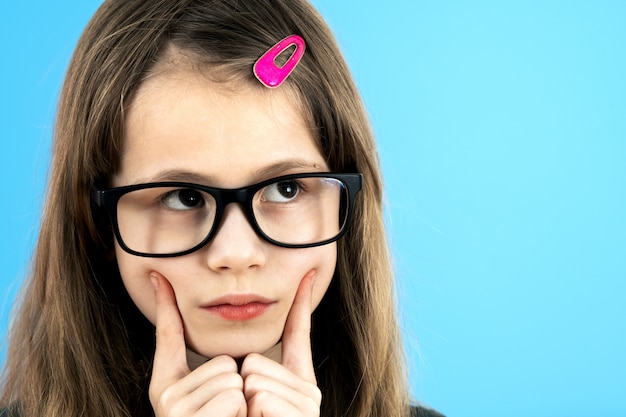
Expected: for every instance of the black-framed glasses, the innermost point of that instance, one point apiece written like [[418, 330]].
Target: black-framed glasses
[[166, 219]]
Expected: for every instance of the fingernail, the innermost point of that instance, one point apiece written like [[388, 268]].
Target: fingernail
[[155, 281], [311, 283], [310, 276]]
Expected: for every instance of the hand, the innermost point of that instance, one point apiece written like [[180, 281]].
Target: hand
[[288, 389], [213, 389]]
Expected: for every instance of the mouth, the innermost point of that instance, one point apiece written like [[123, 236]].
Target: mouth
[[239, 307]]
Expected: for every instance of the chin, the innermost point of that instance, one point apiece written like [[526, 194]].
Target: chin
[[238, 349]]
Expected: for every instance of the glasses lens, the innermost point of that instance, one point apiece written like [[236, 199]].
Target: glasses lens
[[164, 220], [301, 211]]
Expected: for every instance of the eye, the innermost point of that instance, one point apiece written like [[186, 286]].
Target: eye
[[183, 199], [281, 192]]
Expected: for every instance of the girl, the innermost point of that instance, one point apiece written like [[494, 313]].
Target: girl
[[222, 187]]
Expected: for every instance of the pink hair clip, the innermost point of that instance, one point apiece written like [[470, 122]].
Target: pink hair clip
[[265, 68]]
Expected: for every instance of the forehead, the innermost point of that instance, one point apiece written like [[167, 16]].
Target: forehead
[[227, 76], [180, 119]]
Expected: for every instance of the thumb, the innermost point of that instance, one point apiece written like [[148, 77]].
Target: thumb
[[170, 357], [296, 346]]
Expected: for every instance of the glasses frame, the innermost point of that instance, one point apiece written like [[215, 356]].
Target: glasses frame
[[107, 199]]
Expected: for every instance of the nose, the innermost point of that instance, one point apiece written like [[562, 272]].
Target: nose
[[235, 247]]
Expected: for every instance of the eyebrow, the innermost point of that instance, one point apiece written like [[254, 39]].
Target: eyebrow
[[176, 175], [284, 167], [274, 170]]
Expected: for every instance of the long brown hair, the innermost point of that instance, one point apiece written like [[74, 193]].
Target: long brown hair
[[78, 345]]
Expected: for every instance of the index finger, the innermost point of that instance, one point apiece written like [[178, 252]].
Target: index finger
[[170, 356], [296, 346]]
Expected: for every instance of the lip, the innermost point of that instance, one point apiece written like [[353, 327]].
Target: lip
[[239, 307]]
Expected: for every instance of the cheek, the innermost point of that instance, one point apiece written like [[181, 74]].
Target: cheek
[[136, 279], [324, 272], [289, 264], [319, 290]]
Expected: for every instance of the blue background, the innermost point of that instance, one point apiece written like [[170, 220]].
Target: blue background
[[502, 133]]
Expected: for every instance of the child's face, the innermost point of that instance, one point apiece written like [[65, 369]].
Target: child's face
[[180, 125]]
